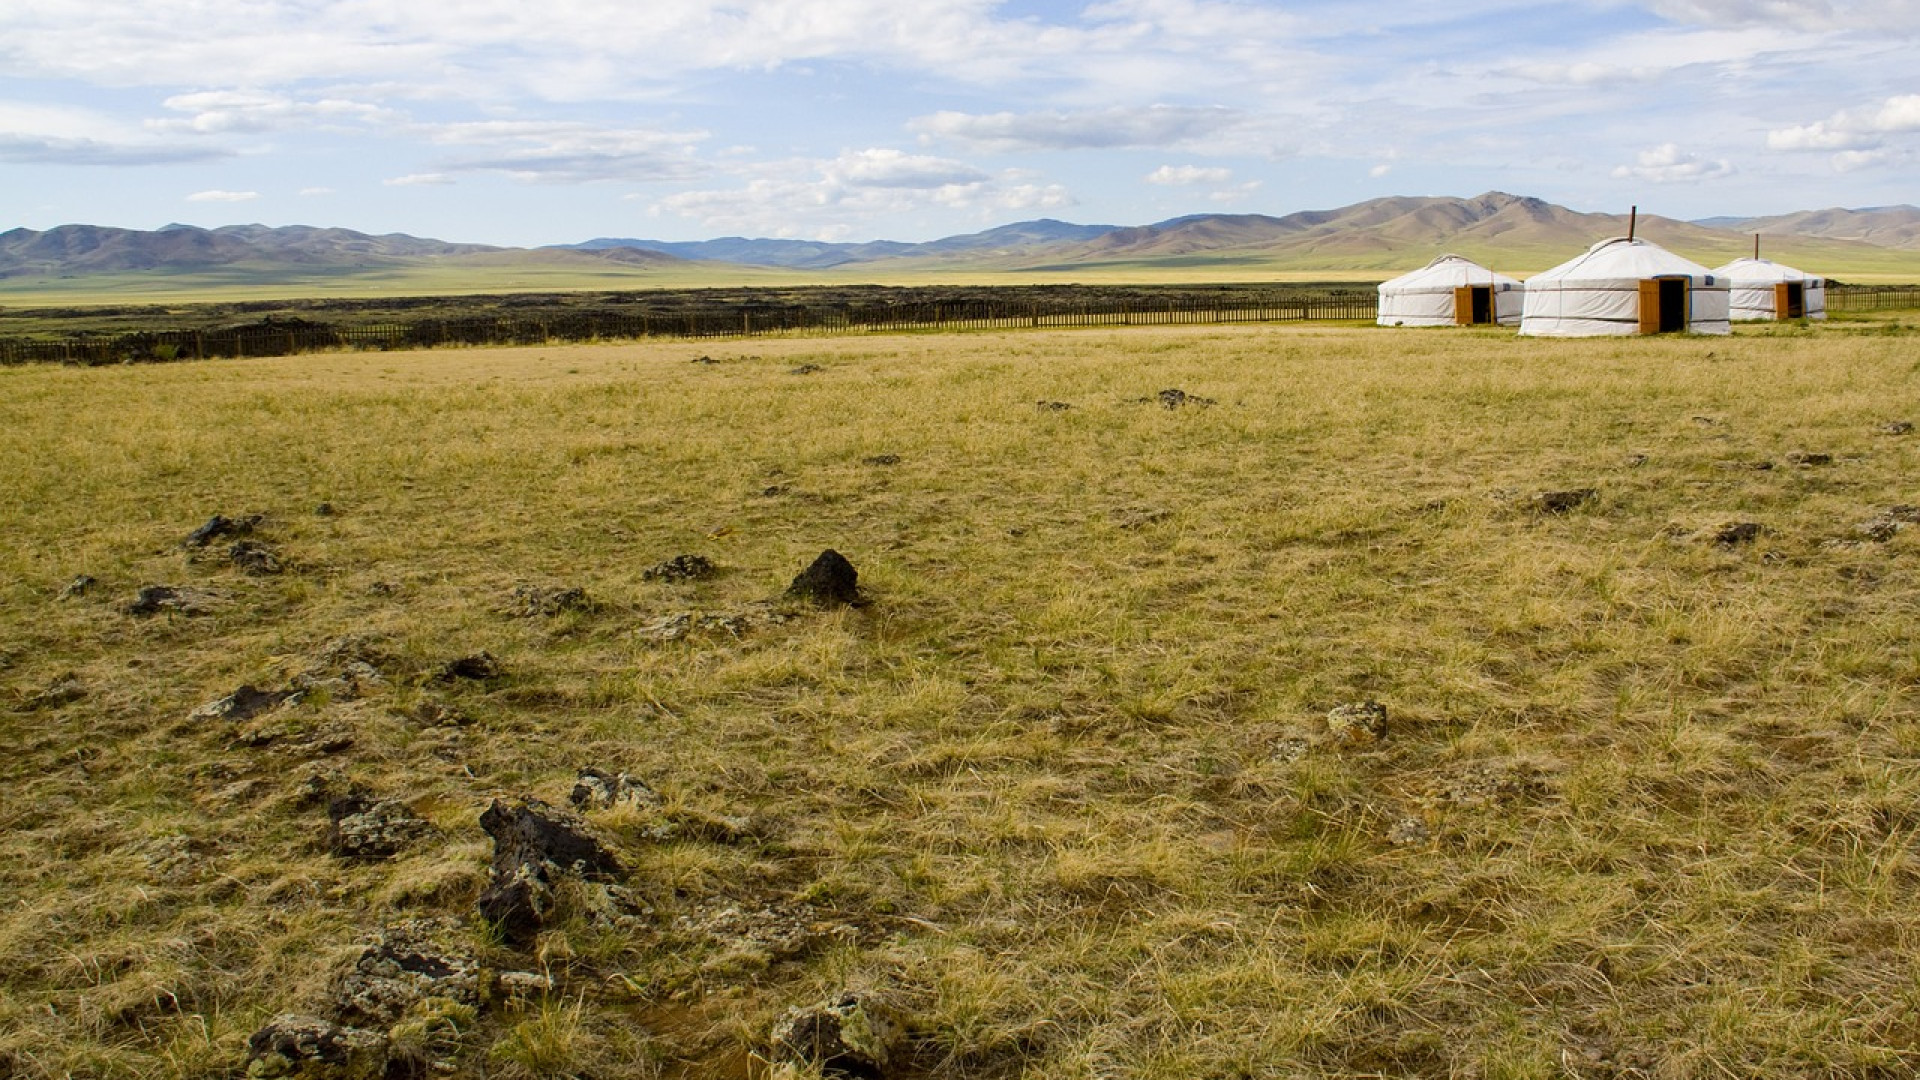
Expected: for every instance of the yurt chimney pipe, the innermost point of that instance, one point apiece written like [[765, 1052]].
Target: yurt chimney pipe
[[1756, 247], [1633, 220]]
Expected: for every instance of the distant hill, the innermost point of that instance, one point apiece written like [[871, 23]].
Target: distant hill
[[1025, 236], [93, 249], [1883, 226]]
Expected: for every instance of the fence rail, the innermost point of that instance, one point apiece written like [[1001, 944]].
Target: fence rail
[[734, 321], [287, 337]]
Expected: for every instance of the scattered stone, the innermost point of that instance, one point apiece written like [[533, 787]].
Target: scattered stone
[[851, 1034], [244, 704], [1175, 399], [681, 568], [1734, 532], [830, 581], [478, 667], [1409, 832], [1634, 461], [1490, 783], [1895, 427], [1807, 460], [325, 509], [180, 599], [64, 690], [78, 587], [297, 1047], [806, 369], [597, 789], [1052, 406], [1887, 524], [219, 526], [705, 360], [254, 557], [522, 985], [1745, 466], [1291, 749], [533, 845], [410, 962], [371, 830], [438, 714], [1562, 502], [1358, 723], [773, 491], [545, 602], [750, 938]]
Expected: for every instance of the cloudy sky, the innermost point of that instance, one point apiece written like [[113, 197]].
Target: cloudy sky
[[550, 121]]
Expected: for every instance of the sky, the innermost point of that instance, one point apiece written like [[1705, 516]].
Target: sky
[[530, 122]]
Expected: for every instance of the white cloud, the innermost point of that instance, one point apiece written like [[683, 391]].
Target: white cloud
[[1177, 175], [219, 112], [418, 180], [1861, 135], [1668, 164], [1102, 129], [37, 134], [568, 152], [217, 196], [1379, 170], [1894, 17], [830, 198]]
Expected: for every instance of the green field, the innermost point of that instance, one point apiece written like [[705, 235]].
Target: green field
[[1071, 794]]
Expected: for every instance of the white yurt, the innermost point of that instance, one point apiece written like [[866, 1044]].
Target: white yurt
[[1762, 289], [1450, 291], [1625, 286]]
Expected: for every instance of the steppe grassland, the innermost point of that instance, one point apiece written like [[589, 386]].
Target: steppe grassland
[[1647, 801]]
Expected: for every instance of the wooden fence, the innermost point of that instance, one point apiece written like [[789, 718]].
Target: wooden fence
[[743, 320], [1872, 297]]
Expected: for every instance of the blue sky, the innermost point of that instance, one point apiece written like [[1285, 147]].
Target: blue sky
[[525, 123]]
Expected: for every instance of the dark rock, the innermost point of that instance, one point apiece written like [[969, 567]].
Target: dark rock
[[1895, 427], [1735, 532], [533, 845], [597, 789], [254, 557], [881, 459], [537, 601], [773, 491], [219, 526], [325, 509], [64, 690], [1175, 399], [479, 667], [681, 568], [1562, 502], [831, 580], [705, 360], [1052, 406], [180, 599], [806, 369], [408, 963], [299, 1047], [243, 704], [369, 830], [851, 1035], [78, 587]]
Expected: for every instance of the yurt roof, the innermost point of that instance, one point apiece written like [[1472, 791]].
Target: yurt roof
[[1762, 270], [1622, 260], [1447, 271]]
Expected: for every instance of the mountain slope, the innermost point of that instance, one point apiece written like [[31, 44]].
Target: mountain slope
[[1885, 226]]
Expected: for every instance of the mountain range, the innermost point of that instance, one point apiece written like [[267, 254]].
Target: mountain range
[[1508, 232]]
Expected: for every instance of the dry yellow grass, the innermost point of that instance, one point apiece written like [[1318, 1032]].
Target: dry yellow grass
[[1063, 793]]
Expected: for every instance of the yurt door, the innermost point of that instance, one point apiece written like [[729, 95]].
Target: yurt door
[[1473, 305], [1790, 300], [1663, 305]]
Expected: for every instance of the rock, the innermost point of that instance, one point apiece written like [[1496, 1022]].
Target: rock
[[1052, 406], [597, 789], [1358, 723], [64, 690], [438, 714], [850, 1034], [806, 369], [182, 599], [479, 667], [300, 1047], [1733, 533], [1409, 832], [830, 581], [704, 360], [881, 459], [1895, 427], [219, 526], [410, 962], [545, 602], [1807, 460], [254, 557], [1175, 399], [78, 587], [681, 568], [369, 830], [533, 844], [243, 704], [1562, 502]]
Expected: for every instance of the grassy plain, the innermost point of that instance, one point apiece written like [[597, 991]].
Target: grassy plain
[[1062, 796]]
